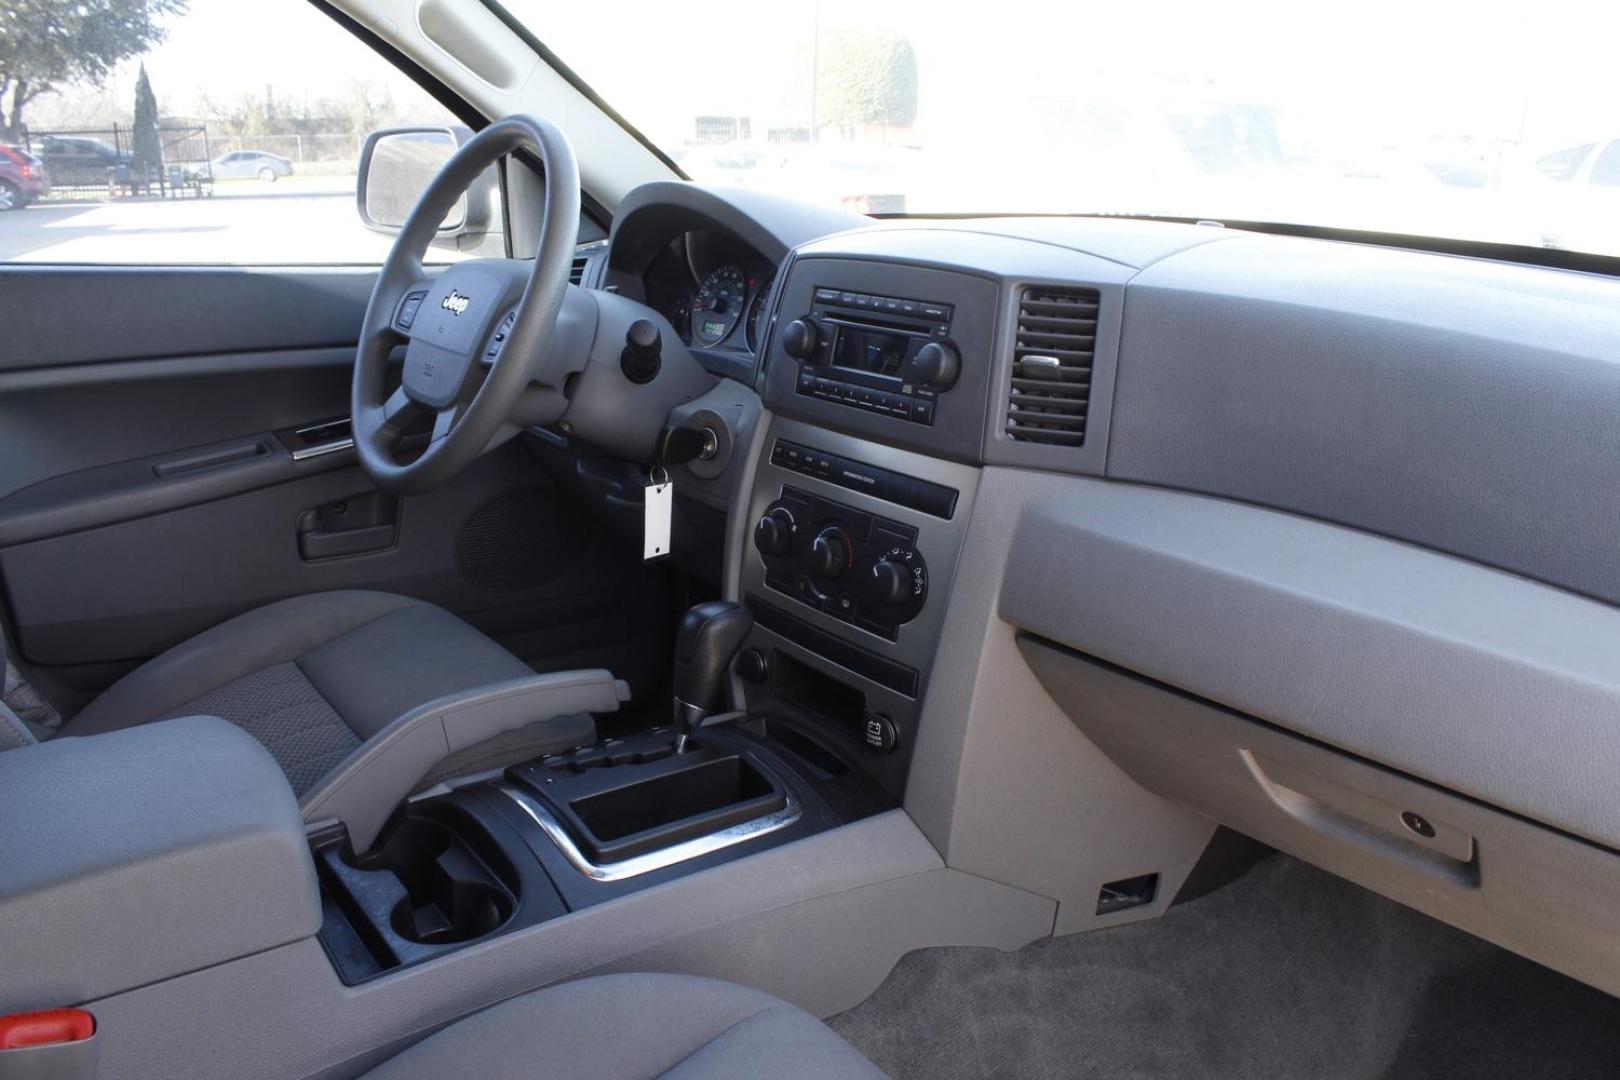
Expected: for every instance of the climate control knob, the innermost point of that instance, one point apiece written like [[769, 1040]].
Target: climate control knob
[[774, 532], [829, 554], [892, 581], [801, 339], [938, 365]]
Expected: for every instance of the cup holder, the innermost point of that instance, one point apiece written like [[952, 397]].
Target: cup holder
[[449, 894]]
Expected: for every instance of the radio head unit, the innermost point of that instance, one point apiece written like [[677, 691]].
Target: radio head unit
[[884, 354]]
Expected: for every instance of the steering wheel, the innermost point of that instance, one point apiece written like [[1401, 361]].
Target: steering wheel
[[478, 333]]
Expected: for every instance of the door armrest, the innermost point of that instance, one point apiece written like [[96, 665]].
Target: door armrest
[[364, 791]]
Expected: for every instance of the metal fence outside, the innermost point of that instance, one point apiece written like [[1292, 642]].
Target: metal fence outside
[[100, 162]]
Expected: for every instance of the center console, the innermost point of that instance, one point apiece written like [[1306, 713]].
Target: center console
[[567, 831], [878, 380]]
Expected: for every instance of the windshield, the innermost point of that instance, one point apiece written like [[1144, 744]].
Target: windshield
[[1433, 118]]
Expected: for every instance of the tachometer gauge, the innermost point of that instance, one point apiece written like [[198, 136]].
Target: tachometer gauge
[[719, 305], [756, 316], [679, 313]]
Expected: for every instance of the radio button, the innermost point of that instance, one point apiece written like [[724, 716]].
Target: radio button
[[860, 477], [827, 296], [922, 412]]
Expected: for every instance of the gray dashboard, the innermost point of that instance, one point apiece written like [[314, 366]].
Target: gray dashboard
[[1452, 404], [1462, 404]]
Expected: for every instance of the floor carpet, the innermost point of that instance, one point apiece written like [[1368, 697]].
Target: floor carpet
[[1287, 972]]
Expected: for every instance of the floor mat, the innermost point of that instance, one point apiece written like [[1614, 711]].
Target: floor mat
[[1288, 972]]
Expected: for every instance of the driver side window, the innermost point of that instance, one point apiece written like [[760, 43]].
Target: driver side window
[[208, 132]]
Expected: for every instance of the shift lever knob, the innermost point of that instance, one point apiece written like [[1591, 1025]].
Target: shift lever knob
[[707, 641]]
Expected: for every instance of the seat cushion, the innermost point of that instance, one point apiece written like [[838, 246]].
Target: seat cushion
[[314, 676], [634, 1027]]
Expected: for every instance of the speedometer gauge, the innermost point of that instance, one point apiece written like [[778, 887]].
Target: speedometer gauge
[[719, 305]]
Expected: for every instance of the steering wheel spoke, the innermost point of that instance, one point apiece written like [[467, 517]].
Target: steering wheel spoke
[[444, 420], [396, 415]]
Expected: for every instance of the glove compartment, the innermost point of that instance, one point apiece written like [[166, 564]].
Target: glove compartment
[[1532, 889]]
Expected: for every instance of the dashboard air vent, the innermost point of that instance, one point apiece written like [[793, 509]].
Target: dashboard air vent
[[1051, 369], [576, 275]]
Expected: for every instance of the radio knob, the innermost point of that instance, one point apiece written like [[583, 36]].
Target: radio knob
[[801, 339], [938, 364], [774, 532], [829, 555], [893, 581]]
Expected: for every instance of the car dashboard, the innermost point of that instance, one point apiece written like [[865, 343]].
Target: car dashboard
[[1297, 534]]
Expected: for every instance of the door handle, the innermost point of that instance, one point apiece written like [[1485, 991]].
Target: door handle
[[359, 525], [331, 545]]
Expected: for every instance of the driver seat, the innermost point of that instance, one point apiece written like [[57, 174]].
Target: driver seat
[[314, 678]]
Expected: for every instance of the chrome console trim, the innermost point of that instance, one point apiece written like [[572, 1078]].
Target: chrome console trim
[[653, 860]]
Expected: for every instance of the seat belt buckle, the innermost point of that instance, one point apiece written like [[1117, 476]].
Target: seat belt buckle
[[50, 1044]]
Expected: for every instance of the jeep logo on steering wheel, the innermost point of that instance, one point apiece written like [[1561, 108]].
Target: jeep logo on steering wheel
[[455, 303]]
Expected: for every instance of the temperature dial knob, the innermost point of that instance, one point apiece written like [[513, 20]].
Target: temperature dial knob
[[829, 553]]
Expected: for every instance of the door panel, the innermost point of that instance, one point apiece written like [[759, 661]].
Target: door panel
[[132, 589], [56, 315], [145, 494]]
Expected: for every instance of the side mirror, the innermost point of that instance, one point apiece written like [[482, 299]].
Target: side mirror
[[396, 166]]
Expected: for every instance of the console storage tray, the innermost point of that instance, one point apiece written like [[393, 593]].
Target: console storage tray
[[614, 812]]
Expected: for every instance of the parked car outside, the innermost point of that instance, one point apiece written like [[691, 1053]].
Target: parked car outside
[[80, 160], [1573, 191], [251, 163], [22, 178]]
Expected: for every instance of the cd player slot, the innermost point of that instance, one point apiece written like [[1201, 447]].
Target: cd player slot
[[899, 326]]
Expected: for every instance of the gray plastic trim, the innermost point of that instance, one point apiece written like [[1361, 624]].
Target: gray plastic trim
[[366, 788], [864, 894], [1462, 404], [1491, 685], [1001, 781]]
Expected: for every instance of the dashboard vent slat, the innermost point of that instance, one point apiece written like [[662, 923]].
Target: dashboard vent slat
[[576, 274], [1051, 370]]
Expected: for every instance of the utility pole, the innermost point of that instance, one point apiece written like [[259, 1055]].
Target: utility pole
[[815, 69]]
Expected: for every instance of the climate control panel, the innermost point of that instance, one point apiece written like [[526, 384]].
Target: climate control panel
[[862, 569]]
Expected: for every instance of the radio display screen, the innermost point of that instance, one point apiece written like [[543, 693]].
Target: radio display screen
[[872, 351]]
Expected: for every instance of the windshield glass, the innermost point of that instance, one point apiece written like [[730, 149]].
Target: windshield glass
[[1445, 119]]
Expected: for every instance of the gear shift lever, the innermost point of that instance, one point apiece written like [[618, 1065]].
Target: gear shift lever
[[708, 639]]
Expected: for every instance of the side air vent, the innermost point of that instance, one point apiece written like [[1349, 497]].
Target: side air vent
[[577, 274], [1051, 370]]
